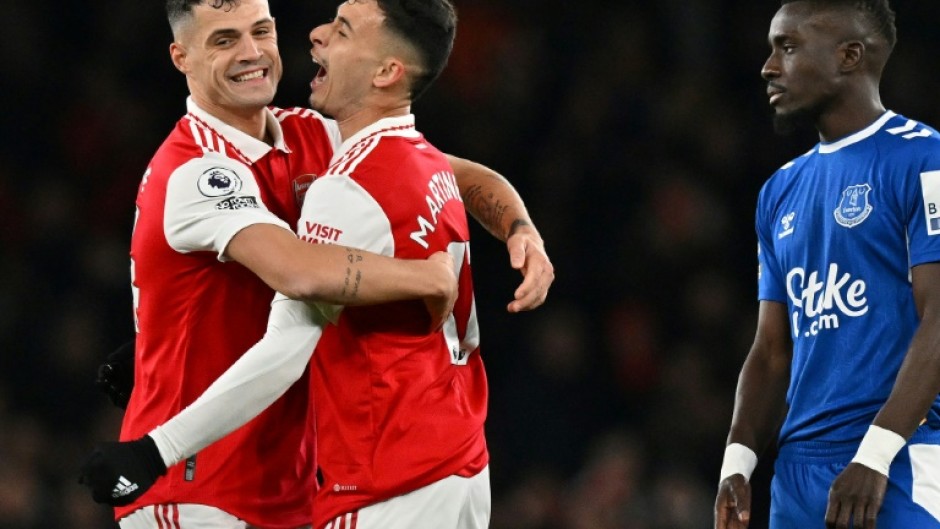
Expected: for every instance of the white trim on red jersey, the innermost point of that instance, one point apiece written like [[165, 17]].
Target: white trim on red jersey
[[397, 407], [197, 316]]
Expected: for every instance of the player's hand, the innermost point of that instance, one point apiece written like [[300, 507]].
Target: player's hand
[[527, 254], [733, 504], [856, 493], [119, 473], [441, 305], [116, 375]]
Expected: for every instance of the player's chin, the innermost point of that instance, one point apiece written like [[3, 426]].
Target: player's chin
[[317, 103], [255, 101]]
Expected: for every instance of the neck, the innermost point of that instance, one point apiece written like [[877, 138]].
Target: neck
[[352, 123], [251, 121], [850, 116]]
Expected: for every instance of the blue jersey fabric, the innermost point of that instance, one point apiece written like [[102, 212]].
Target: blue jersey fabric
[[839, 229], [799, 490]]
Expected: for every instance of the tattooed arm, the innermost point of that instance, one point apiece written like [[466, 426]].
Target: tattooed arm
[[336, 274], [496, 205]]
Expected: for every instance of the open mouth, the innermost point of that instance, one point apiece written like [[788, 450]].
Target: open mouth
[[320, 77]]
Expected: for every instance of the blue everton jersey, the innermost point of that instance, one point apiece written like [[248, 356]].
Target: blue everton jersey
[[839, 229]]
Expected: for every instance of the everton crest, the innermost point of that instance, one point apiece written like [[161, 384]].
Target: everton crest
[[854, 206]]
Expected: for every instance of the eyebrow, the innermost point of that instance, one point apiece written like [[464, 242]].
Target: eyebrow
[[345, 21], [233, 31]]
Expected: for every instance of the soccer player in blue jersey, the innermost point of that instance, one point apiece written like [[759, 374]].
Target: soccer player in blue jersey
[[846, 356]]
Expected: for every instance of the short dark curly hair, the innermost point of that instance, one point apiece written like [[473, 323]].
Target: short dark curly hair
[[429, 26], [179, 10], [878, 12]]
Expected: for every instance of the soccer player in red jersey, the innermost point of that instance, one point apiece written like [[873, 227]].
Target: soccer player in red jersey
[[225, 186], [399, 411]]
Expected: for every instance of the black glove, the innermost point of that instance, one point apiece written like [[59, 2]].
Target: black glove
[[116, 375], [119, 473]]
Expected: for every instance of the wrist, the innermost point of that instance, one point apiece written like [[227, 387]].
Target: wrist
[[523, 226], [149, 455], [878, 448], [738, 459]]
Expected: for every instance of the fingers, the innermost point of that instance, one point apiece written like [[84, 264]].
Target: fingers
[[743, 505], [864, 517], [517, 250], [530, 294], [537, 271], [733, 504], [860, 514], [839, 513]]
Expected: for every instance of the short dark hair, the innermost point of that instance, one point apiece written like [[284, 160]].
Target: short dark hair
[[178, 10], [879, 14], [429, 26]]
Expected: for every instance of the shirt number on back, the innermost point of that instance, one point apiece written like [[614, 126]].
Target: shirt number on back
[[461, 330]]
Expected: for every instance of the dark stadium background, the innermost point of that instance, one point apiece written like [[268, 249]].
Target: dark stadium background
[[638, 133]]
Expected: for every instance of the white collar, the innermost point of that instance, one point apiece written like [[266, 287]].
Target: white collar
[[393, 126], [251, 148], [828, 148]]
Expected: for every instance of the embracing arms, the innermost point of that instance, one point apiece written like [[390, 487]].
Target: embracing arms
[[496, 205]]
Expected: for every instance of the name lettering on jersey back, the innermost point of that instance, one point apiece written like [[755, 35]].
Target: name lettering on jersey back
[[823, 301], [317, 233], [442, 188]]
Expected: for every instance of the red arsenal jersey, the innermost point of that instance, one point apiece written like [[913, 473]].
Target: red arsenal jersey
[[196, 314], [397, 407]]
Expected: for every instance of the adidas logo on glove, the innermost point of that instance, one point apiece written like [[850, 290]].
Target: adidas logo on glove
[[123, 488]]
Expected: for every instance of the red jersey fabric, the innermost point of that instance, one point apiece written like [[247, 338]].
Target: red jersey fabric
[[196, 314], [396, 407]]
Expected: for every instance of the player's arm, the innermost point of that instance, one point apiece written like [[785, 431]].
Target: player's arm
[[336, 274], [497, 206], [759, 407], [214, 203], [859, 490], [259, 377], [918, 381]]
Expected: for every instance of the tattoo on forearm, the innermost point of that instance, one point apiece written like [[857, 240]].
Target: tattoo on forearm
[[353, 274], [490, 213]]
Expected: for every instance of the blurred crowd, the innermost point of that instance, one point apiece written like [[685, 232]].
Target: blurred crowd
[[637, 132]]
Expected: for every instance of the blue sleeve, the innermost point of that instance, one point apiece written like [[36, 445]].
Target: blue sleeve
[[770, 278], [923, 198]]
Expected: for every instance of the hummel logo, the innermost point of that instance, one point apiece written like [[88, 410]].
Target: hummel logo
[[123, 488], [787, 222]]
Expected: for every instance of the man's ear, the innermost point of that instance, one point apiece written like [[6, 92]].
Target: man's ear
[[178, 56], [391, 71], [852, 55]]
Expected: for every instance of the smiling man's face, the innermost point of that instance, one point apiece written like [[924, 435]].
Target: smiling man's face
[[230, 57]]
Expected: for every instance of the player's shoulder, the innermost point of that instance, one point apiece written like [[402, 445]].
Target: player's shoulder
[[791, 168], [903, 138], [189, 139], [177, 163], [403, 155]]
